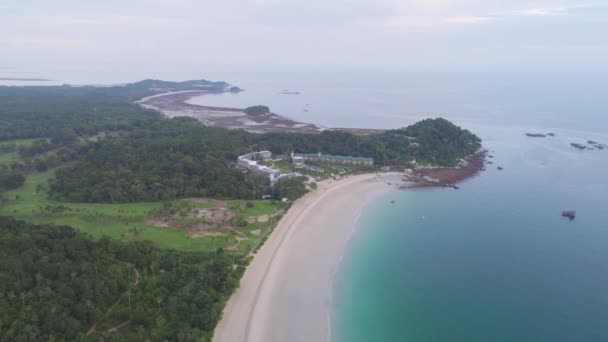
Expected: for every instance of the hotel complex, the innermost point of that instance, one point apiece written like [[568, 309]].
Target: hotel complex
[[299, 158], [249, 161]]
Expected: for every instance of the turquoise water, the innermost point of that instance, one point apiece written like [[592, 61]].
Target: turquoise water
[[493, 261]]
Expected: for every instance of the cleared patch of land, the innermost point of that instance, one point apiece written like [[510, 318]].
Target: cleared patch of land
[[186, 228]]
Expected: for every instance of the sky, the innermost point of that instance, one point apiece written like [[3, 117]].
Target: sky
[[509, 35]]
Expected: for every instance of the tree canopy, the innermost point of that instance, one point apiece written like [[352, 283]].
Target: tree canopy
[[55, 284], [257, 110], [175, 158], [54, 111]]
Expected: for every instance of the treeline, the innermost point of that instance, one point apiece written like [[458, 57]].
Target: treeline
[[167, 159], [440, 142], [430, 141], [38, 156], [163, 160], [55, 284], [53, 111]]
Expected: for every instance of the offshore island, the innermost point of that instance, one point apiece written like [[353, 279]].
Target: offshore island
[[169, 220]]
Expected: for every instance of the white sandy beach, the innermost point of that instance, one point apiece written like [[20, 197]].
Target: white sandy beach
[[285, 294]]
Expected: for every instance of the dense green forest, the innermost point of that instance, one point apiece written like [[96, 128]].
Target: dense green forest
[[56, 284], [53, 111], [439, 142], [431, 141], [175, 158], [166, 159]]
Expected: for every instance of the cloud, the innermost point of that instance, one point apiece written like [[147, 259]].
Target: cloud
[[467, 20], [546, 11], [424, 20], [432, 22]]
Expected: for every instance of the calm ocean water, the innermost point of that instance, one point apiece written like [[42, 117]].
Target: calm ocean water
[[493, 261]]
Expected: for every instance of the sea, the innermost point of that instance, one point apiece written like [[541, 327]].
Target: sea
[[491, 261]]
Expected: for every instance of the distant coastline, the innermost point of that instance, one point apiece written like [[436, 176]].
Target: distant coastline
[[177, 104], [25, 79]]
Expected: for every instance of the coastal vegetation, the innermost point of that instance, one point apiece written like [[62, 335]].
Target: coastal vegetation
[[50, 111], [176, 158], [257, 110], [440, 142]]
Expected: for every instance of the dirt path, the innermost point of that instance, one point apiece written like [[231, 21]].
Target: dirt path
[[93, 328]]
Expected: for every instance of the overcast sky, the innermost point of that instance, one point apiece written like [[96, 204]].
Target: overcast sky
[[570, 35]]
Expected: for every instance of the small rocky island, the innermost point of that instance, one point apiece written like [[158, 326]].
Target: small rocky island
[[540, 135], [571, 214], [257, 110], [536, 135], [597, 145], [578, 146]]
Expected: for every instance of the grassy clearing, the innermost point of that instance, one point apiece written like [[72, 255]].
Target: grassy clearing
[[19, 142], [8, 158], [128, 221], [260, 207]]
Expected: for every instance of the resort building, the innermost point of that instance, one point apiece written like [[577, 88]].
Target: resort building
[[259, 156], [298, 162], [333, 159], [250, 162]]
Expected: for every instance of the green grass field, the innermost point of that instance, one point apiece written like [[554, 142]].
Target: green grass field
[[260, 207], [8, 158], [127, 221]]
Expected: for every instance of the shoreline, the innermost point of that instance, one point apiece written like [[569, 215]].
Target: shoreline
[[448, 177], [285, 293], [178, 104]]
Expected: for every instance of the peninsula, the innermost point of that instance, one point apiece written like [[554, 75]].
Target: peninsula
[[177, 104]]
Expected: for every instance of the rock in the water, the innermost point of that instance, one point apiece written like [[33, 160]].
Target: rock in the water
[[571, 214]]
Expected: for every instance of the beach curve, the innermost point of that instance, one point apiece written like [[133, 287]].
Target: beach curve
[[285, 292]]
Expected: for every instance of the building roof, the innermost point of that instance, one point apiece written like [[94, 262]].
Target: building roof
[[333, 157]]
